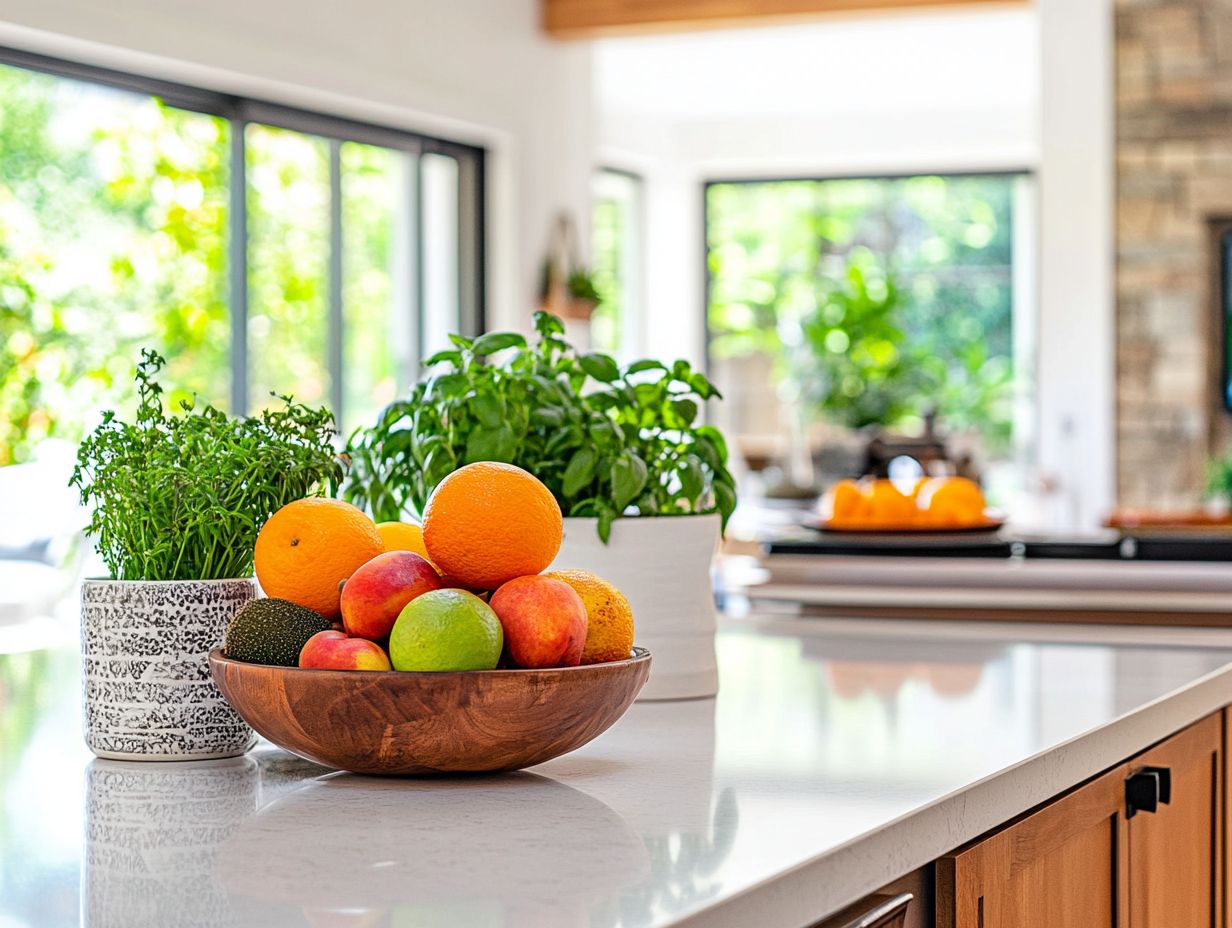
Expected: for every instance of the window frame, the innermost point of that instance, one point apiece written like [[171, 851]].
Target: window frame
[[632, 334], [239, 112]]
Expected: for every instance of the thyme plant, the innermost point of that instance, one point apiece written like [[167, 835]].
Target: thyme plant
[[182, 497]]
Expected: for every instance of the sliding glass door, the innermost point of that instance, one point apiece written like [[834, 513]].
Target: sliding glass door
[[264, 250]]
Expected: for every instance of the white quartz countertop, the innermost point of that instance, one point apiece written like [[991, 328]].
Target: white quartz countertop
[[838, 756]]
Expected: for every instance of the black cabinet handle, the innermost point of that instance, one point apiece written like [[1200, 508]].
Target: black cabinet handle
[[1145, 789]]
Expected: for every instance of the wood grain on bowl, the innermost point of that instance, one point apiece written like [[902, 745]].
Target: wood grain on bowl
[[394, 723]]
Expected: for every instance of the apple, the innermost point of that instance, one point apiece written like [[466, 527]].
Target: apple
[[544, 622], [331, 650], [376, 594]]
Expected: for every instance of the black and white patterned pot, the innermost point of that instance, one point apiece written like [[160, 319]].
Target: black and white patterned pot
[[144, 670]]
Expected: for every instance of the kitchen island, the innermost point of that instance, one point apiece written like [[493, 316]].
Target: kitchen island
[[839, 756]]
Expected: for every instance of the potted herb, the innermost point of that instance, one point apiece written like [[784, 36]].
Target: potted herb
[[643, 485], [177, 502]]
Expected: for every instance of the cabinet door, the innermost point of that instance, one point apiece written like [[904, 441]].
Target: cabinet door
[[1058, 867], [1176, 853]]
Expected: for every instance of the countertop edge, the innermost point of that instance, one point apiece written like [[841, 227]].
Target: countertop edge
[[820, 887]]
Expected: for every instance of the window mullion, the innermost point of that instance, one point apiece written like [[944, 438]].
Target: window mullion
[[335, 279], [420, 290], [237, 245]]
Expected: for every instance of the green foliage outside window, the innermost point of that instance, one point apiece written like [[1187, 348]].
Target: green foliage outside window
[[880, 300], [114, 237], [110, 205]]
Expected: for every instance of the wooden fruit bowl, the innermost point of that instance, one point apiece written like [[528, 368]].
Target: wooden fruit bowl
[[395, 723]]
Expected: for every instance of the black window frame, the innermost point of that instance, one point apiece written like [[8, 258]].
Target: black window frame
[[239, 111]]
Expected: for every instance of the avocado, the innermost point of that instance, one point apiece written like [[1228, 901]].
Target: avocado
[[271, 631]]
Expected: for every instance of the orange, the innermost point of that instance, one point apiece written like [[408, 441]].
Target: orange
[[846, 503], [609, 618], [488, 523], [890, 507], [309, 547], [402, 536], [952, 501]]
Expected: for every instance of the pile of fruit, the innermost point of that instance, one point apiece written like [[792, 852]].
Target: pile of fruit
[[466, 591], [936, 503]]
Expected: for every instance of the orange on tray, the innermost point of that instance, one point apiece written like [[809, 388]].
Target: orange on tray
[[488, 523], [952, 501], [308, 547], [870, 505]]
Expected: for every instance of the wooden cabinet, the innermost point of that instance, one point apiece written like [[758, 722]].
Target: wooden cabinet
[[1081, 862], [1176, 855]]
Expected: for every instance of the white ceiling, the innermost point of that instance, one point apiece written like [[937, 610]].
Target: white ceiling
[[972, 60]]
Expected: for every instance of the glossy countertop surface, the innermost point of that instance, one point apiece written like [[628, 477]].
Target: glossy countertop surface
[[838, 755]]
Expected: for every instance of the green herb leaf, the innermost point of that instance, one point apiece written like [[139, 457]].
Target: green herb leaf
[[692, 481], [715, 437], [488, 410], [725, 500], [548, 415], [645, 365], [453, 357], [497, 341], [580, 470], [629, 473], [599, 366], [703, 387], [497, 444], [605, 524], [461, 341], [448, 386], [685, 410]]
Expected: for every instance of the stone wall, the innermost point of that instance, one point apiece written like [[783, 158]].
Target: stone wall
[[1174, 177]]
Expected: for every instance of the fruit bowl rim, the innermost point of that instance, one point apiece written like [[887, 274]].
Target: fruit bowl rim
[[638, 655]]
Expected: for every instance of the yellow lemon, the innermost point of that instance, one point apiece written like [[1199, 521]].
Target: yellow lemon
[[609, 620]]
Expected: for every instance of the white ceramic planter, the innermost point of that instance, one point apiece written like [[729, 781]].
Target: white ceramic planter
[[145, 676], [662, 564]]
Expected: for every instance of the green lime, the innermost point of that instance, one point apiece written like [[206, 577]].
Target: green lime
[[446, 630]]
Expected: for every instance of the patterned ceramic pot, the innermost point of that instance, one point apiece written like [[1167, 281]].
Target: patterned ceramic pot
[[662, 564], [145, 676]]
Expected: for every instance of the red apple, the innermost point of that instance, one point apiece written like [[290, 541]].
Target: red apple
[[332, 650], [544, 622], [377, 593]]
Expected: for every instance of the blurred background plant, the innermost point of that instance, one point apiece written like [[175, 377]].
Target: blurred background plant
[[1219, 479], [870, 301]]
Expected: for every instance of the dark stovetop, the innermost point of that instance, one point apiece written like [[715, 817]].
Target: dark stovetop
[[1111, 546]]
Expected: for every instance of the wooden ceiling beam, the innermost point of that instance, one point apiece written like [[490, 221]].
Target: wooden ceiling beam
[[588, 19]]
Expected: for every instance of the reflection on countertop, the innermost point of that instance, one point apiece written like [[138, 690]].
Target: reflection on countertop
[[823, 732]]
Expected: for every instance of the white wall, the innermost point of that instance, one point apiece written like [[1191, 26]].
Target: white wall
[[888, 95], [472, 70]]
